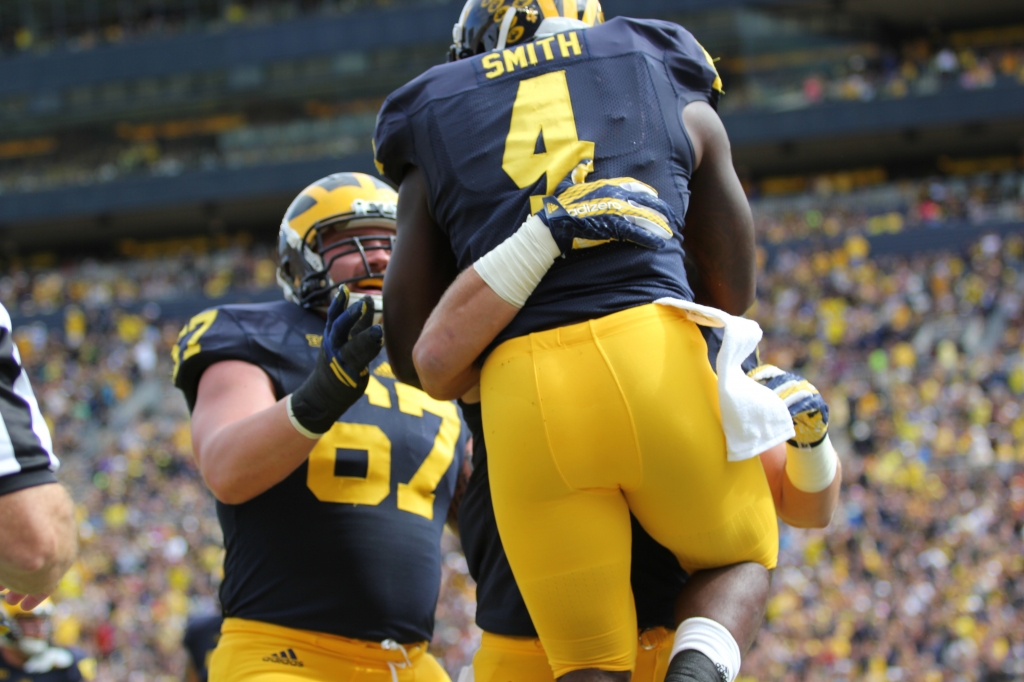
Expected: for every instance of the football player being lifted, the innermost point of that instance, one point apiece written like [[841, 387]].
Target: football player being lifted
[[332, 480], [806, 498], [596, 401]]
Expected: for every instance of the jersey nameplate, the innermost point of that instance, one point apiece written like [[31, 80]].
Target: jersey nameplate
[[556, 48]]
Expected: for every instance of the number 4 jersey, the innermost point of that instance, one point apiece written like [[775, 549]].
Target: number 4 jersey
[[349, 543], [495, 133]]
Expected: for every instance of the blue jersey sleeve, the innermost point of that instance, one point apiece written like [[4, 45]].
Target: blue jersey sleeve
[[393, 142], [210, 337], [688, 64]]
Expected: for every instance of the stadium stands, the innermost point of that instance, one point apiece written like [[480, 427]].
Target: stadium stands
[[919, 357], [883, 159]]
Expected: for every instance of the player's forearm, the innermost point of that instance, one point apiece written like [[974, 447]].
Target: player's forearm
[[809, 510], [245, 458], [38, 541], [468, 318]]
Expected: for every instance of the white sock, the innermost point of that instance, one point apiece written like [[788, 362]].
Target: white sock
[[711, 639]]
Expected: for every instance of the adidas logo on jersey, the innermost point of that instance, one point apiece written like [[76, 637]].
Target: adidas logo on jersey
[[287, 657], [584, 209]]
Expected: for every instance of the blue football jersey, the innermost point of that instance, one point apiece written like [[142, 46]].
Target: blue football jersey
[[349, 543], [496, 133]]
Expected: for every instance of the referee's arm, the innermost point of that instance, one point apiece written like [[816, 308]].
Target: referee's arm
[[37, 531]]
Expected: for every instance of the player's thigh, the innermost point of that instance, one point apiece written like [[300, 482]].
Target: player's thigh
[[709, 511], [257, 657], [511, 659], [569, 548]]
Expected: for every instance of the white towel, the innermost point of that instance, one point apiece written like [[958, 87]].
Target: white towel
[[753, 417]]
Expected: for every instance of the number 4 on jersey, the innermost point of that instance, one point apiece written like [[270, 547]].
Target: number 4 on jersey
[[543, 138]]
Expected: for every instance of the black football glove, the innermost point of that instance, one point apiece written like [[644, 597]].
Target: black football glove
[[584, 214], [351, 342]]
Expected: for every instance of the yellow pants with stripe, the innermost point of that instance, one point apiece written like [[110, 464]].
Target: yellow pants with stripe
[[253, 651], [588, 422], [522, 659]]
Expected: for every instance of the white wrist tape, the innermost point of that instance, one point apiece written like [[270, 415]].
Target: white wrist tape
[[514, 268], [299, 427], [712, 639], [811, 470]]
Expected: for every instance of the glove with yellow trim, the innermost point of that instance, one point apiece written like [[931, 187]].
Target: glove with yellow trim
[[584, 214], [350, 343], [806, 406]]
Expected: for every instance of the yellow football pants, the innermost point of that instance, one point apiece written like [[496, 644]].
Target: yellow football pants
[[252, 651], [522, 659], [588, 422]]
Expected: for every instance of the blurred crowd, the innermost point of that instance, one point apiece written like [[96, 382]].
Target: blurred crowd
[[838, 204], [147, 275], [227, 142], [874, 72], [920, 359], [40, 25]]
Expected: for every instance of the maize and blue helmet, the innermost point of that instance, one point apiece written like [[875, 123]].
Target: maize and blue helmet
[[487, 25], [339, 202]]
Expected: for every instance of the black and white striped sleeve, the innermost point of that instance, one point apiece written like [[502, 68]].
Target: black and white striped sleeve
[[26, 450]]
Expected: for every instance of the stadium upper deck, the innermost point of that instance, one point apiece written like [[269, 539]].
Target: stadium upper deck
[[148, 118]]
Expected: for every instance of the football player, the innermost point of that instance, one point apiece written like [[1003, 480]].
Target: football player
[[37, 538], [510, 649], [596, 402], [26, 653], [332, 480]]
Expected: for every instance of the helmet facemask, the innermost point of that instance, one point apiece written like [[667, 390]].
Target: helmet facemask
[[318, 228]]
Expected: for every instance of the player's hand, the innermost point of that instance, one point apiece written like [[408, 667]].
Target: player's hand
[[350, 343], [27, 601], [584, 214], [806, 406]]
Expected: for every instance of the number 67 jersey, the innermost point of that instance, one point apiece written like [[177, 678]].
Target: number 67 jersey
[[349, 543], [495, 133]]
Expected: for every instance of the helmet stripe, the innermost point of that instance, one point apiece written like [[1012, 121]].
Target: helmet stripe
[[465, 12], [548, 8], [590, 13], [569, 9]]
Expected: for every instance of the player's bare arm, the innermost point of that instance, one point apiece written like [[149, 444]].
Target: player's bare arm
[[719, 232], [794, 506], [469, 316], [242, 438], [246, 441], [422, 267], [38, 541]]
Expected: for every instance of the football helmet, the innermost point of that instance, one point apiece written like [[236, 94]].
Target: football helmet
[[11, 631], [486, 25], [339, 202]]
